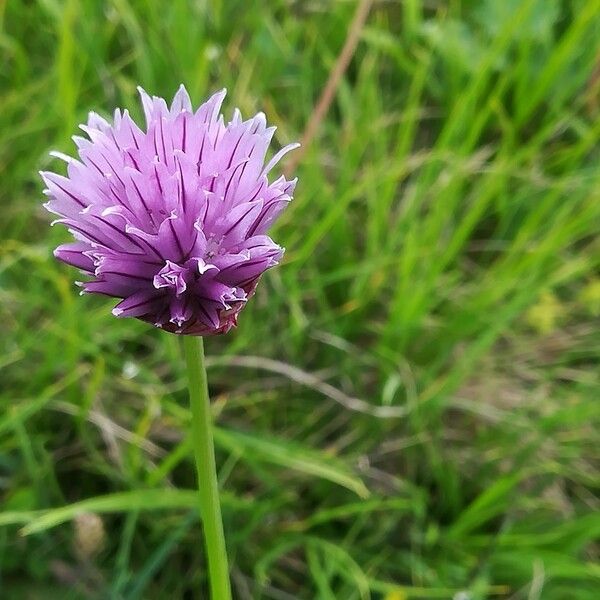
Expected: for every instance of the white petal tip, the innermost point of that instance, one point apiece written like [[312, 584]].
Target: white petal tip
[[61, 156]]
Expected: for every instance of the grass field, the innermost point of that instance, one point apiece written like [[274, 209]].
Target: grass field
[[409, 407]]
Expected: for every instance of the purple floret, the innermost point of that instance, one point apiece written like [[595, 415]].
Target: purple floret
[[172, 220]]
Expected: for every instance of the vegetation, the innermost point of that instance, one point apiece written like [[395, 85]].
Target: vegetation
[[409, 407]]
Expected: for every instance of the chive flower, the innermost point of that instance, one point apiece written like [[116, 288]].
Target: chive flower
[[172, 219]]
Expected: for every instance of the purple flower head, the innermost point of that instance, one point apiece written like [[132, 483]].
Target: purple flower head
[[173, 219]]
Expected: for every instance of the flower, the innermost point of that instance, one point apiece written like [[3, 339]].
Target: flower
[[172, 219]]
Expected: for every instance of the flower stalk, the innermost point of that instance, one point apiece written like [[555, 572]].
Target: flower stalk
[[204, 454]]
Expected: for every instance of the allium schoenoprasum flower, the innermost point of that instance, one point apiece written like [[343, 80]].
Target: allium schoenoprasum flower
[[172, 219]]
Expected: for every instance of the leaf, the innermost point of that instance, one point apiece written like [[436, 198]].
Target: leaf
[[538, 26], [18, 517], [389, 505], [292, 456], [159, 556], [487, 505], [157, 499]]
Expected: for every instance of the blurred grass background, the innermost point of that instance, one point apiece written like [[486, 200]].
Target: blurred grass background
[[409, 407]]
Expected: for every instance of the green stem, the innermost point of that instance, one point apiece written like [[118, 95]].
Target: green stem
[[204, 452]]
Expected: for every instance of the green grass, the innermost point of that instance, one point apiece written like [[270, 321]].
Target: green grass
[[442, 263]]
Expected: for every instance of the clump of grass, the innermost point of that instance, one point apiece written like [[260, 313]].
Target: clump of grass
[[442, 261]]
